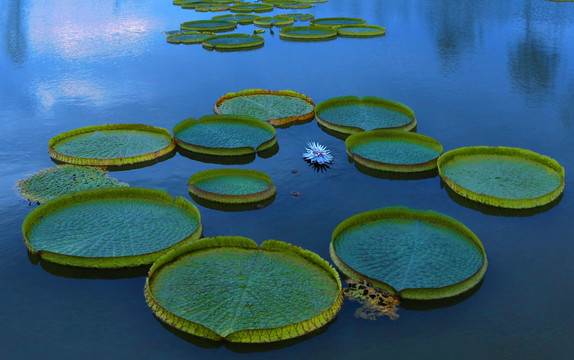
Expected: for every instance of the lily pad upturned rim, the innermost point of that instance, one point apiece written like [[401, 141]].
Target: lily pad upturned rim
[[281, 21], [344, 31], [221, 151], [247, 335], [299, 16], [276, 122], [367, 100], [490, 200], [250, 7], [173, 39], [245, 20], [374, 135], [152, 195], [428, 216], [328, 34], [258, 41], [226, 198], [228, 25], [317, 21], [111, 161]]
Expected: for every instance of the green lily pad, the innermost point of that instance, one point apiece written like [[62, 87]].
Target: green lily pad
[[111, 145], [194, 37], [225, 135], [417, 255], [360, 30], [277, 21], [209, 25], [227, 288], [296, 5], [231, 186], [249, 8], [299, 16], [212, 7], [394, 150], [334, 22], [501, 176], [307, 33], [279, 108], [110, 228], [233, 42], [242, 19], [62, 180], [350, 114]]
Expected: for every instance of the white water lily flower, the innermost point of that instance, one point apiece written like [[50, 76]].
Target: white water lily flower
[[317, 153]]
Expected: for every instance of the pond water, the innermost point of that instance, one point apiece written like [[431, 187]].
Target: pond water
[[474, 72]]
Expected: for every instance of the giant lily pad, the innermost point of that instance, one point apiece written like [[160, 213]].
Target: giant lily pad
[[417, 255], [279, 108], [394, 150], [231, 186], [110, 228], [233, 42], [334, 22], [209, 25], [225, 135], [226, 288], [298, 16], [193, 37], [351, 114], [501, 176], [277, 21], [242, 19], [360, 30], [62, 180], [249, 8], [307, 33], [118, 144]]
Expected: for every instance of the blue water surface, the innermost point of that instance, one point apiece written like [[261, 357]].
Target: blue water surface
[[474, 72]]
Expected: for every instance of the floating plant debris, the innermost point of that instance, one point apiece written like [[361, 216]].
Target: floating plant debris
[[351, 114], [307, 33], [227, 288], [277, 21], [394, 150], [249, 8], [376, 302], [282, 107], [299, 17], [194, 37], [231, 186], [233, 42], [225, 135], [334, 22], [110, 228], [317, 153], [501, 176], [242, 19], [417, 255], [62, 180], [209, 25], [111, 145], [360, 30]]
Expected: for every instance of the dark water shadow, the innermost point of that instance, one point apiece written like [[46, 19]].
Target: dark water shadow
[[214, 159], [425, 305], [72, 272], [343, 136], [496, 211], [244, 348], [138, 165], [232, 207], [389, 175], [319, 168]]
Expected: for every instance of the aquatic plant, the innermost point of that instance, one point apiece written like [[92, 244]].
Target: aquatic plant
[[413, 254], [62, 180], [249, 7], [231, 186], [270, 21], [500, 176], [242, 19], [111, 145], [233, 42], [110, 228], [334, 22], [279, 108], [317, 153], [307, 33], [394, 150], [285, 291], [191, 37], [209, 25], [360, 30], [299, 16]]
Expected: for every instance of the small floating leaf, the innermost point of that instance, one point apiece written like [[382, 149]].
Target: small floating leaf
[[110, 228], [501, 176], [394, 150], [113, 145], [350, 114], [418, 255], [279, 108], [227, 288], [62, 180]]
